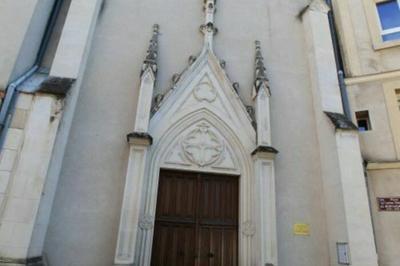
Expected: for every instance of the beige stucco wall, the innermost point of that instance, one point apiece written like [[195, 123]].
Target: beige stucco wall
[[357, 39], [89, 194], [366, 65], [371, 89], [378, 143], [385, 183]]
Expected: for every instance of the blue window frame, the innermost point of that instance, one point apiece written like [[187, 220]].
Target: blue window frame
[[389, 15]]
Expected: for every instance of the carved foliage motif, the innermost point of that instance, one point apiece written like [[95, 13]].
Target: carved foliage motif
[[248, 228], [146, 222], [202, 146]]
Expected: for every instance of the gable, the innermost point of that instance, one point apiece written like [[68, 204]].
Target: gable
[[203, 86]]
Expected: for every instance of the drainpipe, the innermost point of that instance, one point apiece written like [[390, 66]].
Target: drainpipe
[[8, 105], [339, 62]]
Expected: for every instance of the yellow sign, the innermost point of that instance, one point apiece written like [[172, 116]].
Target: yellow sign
[[301, 229]]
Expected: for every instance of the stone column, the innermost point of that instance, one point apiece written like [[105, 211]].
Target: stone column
[[65, 76], [23, 168], [139, 141], [75, 39], [264, 179], [265, 206], [355, 197], [129, 223], [144, 101], [262, 110], [345, 194]]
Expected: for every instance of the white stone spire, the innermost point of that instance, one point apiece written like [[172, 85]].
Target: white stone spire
[[152, 53], [208, 28], [147, 83], [261, 95], [260, 77]]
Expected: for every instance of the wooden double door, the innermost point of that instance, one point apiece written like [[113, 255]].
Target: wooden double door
[[196, 220]]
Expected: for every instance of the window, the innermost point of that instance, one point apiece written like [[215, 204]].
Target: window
[[389, 16], [398, 98], [363, 121]]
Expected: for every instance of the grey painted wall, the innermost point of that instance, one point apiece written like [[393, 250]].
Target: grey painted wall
[[85, 216]]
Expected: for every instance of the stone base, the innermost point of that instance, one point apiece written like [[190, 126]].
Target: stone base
[[36, 261], [265, 149]]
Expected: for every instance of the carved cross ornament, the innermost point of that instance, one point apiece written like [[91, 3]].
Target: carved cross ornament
[[202, 146]]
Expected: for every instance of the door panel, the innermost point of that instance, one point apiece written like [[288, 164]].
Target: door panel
[[196, 220], [173, 245], [219, 201], [177, 197], [218, 246]]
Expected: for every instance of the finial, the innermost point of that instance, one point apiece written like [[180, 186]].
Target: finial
[[152, 52], [208, 28], [260, 72]]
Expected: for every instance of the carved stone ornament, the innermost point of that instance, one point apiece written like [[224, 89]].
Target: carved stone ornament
[[202, 146], [146, 222], [205, 92], [319, 5], [248, 228]]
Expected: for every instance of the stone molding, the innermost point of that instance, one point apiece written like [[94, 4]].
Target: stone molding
[[319, 6], [341, 122], [265, 149], [56, 85], [371, 166], [199, 125], [34, 261], [139, 138]]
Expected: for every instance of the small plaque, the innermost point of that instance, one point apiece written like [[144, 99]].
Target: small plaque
[[301, 229], [343, 253], [389, 204]]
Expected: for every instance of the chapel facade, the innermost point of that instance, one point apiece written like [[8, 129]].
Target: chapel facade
[[203, 132]]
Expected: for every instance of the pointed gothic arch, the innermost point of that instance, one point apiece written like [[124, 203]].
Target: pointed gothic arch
[[201, 125], [157, 160]]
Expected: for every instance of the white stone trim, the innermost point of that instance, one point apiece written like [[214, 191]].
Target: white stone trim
[[27, 179], [157, 156], [75, 39], [204, 98], [262, 106], [355, 198], [129, 221], [75, 17], [265, 203], [144, 101], [319, 6], [321, 57]]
